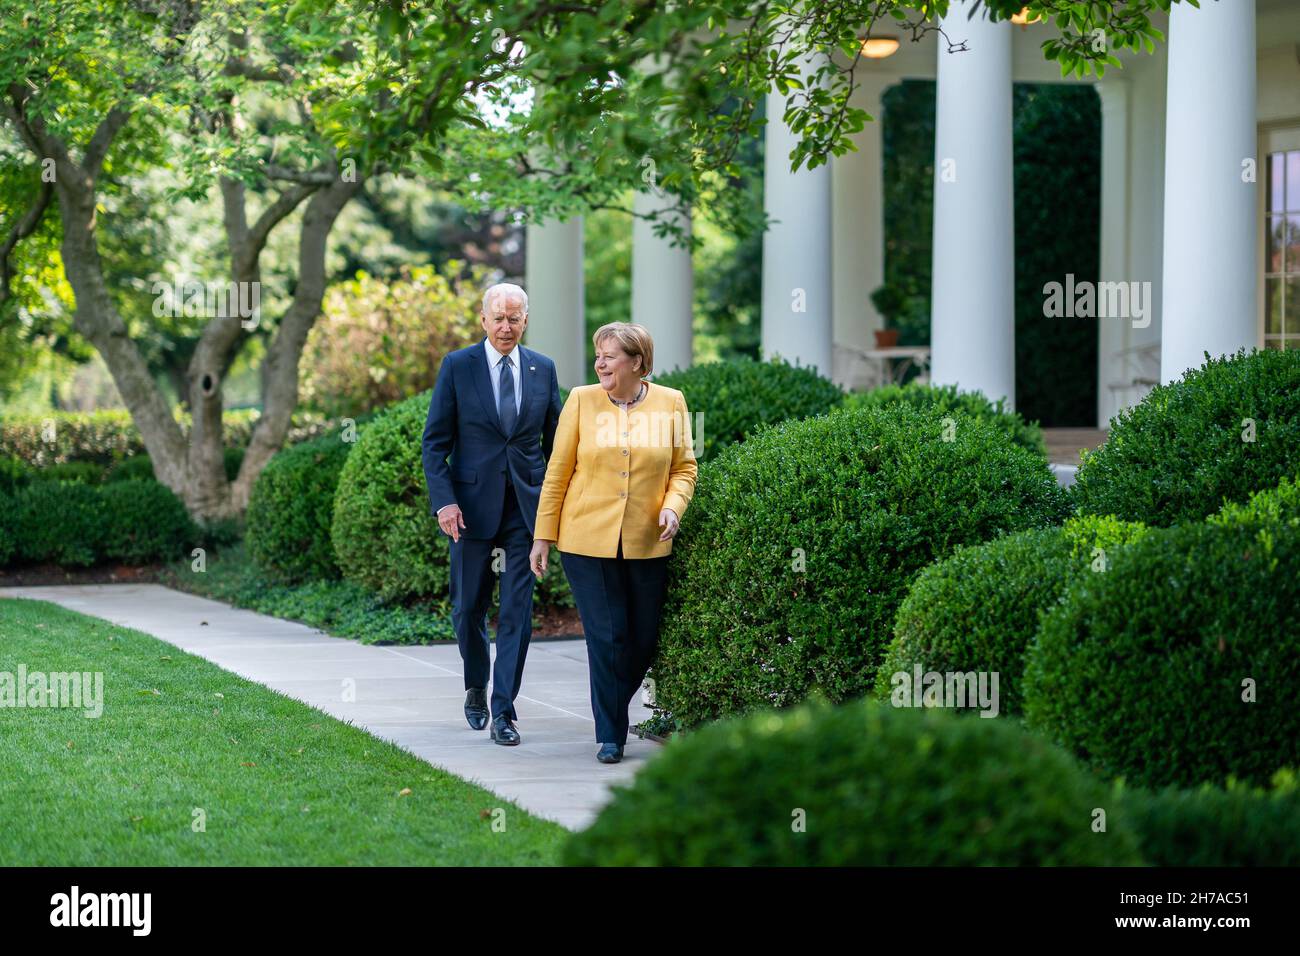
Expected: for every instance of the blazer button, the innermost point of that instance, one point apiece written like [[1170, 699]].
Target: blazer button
[[623, 474], [622, 494], [625, 451]]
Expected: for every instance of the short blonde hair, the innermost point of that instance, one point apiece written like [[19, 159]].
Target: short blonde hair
[[633, 339]]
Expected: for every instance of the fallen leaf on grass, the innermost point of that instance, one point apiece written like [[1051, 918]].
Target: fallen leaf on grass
[[404, 792], [248, 764]]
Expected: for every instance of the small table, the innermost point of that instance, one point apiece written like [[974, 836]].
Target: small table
[[887, 366]]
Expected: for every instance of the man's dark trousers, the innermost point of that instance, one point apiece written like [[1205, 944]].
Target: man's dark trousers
[[476, 565]]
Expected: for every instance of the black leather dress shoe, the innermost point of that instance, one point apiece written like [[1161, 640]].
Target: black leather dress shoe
[[610, 753], [476, 708], [503, 731]]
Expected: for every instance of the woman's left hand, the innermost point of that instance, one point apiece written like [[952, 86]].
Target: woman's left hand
[[668, 517]]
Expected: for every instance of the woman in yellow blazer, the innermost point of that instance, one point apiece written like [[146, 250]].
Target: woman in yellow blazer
[[620, 476]]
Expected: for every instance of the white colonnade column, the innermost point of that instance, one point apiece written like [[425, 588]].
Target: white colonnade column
[[972, 302], [797, 322], [1210, 242]]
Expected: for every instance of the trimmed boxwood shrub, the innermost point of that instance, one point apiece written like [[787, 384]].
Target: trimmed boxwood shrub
[[947, 399], [83, 472], [383, 534], [1179, 454], [1271, 505], [135, 468], [14, 474], [1210, 826], [63, 522], [291, 509], [1142, 671], [146, 522], [8, 520], [738, 396], [979, 609], [800, 544], [874, 786]]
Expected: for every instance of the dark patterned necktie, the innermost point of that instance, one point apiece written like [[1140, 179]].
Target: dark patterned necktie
[[506, 405]]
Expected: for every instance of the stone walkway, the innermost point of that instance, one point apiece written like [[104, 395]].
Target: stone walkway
[[412, 696]]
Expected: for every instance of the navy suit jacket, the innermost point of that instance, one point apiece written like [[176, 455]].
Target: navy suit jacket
[[463, 423]]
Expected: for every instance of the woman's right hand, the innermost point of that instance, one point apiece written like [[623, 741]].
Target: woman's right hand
[[537, 559]]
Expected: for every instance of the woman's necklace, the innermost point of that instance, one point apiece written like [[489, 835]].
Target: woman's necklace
[[628, 404]]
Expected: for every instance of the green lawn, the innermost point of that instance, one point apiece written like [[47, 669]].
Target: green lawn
[[279, 782]]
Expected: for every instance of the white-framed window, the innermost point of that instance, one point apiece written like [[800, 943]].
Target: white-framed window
[[1282, 249], [1280, 293]]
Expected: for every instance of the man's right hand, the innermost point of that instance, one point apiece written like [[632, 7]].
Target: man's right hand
[[451, 521]]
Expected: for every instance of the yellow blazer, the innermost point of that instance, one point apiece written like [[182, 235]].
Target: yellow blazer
[[611, 472]]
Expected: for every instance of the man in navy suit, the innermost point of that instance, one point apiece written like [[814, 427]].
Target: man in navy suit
[[494, 411]]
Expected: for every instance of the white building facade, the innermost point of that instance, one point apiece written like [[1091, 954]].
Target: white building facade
[[1200, 209]]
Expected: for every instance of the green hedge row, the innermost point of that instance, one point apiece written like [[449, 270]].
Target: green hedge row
[[15, 473], [108, 436], [865, 784], [77, 525]]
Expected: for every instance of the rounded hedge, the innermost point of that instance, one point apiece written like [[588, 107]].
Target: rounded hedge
[[800, 544], [146, 522], [1210, 826], [291, 509], [1228, 428], [979, 609], [739, 396], [383, 534], [1280, 504], [1145, 671], [862, 784], [947, 399], [63, 522]]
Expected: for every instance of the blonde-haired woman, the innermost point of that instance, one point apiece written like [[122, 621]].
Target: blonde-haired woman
[[619, 479]]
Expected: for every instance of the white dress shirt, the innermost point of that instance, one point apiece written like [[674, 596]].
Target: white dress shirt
[[494, 373]]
